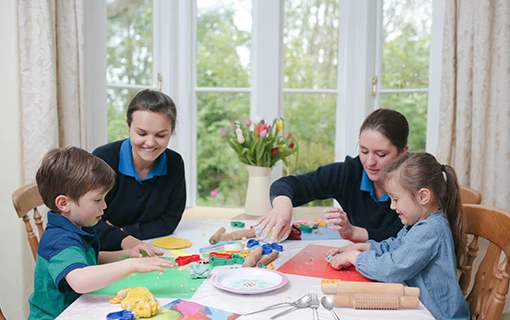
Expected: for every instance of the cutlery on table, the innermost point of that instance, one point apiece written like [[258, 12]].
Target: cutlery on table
[[296, 304], [314, 304], [327, 303], [303, 302]]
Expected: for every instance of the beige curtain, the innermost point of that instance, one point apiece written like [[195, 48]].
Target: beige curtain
[[475, 96], [51, 38]]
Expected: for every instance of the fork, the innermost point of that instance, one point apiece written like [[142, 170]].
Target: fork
[[295, 304], [314, 304]]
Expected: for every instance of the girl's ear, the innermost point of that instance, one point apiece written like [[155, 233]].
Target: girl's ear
[[62, 203], [424, 196]]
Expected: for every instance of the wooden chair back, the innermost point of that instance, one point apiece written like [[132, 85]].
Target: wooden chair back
[[26, 199], [470, 196], [487, 296]]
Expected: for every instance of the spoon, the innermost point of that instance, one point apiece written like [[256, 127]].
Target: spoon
[[296, 303], [327, 303], [302, 302]]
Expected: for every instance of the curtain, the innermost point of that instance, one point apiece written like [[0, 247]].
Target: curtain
[[51, 38], [475, 97]]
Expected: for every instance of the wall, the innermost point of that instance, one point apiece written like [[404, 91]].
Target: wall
[[16, 279]]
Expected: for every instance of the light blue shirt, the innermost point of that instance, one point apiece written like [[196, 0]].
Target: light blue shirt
[[366, 185], [421, 256], [127, 167]]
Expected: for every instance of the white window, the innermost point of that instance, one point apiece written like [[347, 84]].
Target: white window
[[311, 62]]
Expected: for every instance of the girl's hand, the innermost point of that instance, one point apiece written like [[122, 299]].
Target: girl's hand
[[131, 242], [142, 250], [352, 247], [344, 260], [278, 220], [144, 265], [337, 219]]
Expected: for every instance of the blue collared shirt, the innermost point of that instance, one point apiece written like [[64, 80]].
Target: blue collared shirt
[[366, 185], [127, 167], [421, 256]]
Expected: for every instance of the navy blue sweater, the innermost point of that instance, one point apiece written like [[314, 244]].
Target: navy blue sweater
[[341, 181], [148, 209]]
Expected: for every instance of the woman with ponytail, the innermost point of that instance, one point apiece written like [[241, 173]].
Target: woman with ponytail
[[425, 253]]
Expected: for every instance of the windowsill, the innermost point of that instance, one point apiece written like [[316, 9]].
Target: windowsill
[[237, 213]]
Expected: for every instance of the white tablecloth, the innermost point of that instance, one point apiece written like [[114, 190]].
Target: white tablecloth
[[97, 306]]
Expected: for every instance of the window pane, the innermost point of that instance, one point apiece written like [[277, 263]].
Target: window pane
[[311, 119], [218, 166], [414, 107], [223, 43], [129, 42], [406, 45], [311, 41], [118, 101]]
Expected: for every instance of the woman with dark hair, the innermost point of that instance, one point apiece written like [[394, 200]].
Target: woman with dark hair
[[357, 184], [149, 195]]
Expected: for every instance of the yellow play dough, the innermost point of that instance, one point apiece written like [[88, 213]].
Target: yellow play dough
[[171, 243]]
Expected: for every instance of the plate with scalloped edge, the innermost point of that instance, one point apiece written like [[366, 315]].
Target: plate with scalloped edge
[[249, 280]]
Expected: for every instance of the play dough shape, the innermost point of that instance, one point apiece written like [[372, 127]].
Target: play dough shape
[[171, 243]]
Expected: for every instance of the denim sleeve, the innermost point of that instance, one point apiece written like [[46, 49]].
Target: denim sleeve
[[384, 246], [390, 261]]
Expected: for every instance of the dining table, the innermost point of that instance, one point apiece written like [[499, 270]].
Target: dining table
[[199, 231]]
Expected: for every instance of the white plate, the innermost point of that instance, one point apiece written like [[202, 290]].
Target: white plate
[[249, 280]]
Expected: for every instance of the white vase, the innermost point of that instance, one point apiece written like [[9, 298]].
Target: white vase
[[257, 195]]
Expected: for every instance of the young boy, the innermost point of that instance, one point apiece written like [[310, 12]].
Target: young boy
[[73, 183]]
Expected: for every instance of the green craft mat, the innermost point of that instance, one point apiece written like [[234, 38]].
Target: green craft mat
[[170, 284]]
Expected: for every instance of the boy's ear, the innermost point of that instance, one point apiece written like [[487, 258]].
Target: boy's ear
[[62, 203], [424, 196]]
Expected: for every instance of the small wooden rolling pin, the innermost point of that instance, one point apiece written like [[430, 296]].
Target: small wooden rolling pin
[[350, 287], [252, 259], [381, 301], [217, 235], [268, 259], [238, 235]]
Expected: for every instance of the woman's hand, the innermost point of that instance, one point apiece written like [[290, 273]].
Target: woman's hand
[[132, 243], [337, 219], [344, 259], [277, 221]]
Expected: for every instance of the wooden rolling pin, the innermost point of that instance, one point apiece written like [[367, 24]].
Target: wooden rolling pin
[[381, 301], [268, 259], [238, 235], [351, 287], [217, 235], [252, 259]]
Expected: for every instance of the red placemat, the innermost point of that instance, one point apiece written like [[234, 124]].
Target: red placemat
[[311, 262]]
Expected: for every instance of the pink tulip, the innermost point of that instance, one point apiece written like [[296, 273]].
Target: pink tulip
[[263, 134], [214, 193], [223, 132], [248, 122]]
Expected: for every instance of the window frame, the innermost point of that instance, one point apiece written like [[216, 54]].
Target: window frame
[[175, 59]]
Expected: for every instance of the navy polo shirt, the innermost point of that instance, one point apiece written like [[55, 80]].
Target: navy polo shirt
[[63, 248], [347, 183], [143, 208]]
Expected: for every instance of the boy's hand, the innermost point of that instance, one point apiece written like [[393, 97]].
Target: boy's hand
[[131, 243], [343, 260], [357, 246], [144, 265]]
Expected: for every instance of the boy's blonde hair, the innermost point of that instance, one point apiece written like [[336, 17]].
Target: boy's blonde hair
[[71, 172]]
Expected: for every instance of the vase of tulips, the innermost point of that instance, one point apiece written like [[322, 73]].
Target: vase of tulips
[[260, 146]]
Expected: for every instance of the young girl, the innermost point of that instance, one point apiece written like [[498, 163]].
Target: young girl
[[426, 197]]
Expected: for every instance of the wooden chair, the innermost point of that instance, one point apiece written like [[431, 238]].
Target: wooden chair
[[487, 296], [1, 315], [25, 200], [470, 196]]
